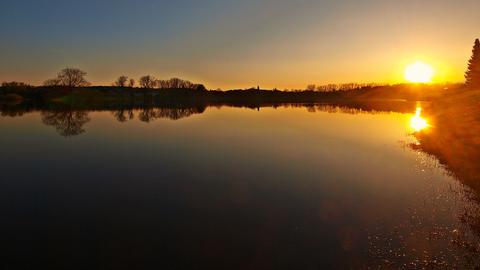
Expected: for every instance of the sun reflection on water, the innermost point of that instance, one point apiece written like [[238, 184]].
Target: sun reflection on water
[[417, 122]]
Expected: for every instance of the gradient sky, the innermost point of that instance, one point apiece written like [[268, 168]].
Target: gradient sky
[[237, 44]]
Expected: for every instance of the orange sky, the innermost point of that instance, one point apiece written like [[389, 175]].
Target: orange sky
[[239, 44]]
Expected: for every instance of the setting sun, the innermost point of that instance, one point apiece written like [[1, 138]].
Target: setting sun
[[419, 72]]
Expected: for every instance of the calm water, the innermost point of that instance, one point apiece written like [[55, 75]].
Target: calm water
[[231, 188]]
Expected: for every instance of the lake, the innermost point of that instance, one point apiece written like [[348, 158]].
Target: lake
[[220, 187]]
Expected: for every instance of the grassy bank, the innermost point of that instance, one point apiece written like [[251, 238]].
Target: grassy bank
[[455, 134]]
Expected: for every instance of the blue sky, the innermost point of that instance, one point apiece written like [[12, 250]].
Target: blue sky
[[229, 44]]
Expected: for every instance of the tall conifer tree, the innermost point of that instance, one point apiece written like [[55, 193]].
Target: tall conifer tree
[[473, 72]]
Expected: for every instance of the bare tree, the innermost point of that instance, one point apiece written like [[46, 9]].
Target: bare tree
[[52, 82], [147, 81], [15, 84], [121, 81], [176, 83], [311, 87], [131, 83], [162, 84], [73, 77], [69, 77]]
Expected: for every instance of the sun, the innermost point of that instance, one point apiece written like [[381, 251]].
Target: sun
[[419, 72]]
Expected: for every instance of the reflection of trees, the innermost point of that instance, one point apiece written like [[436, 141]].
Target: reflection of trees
[[150, 114], [123, 115], [147, 115], [68, 122], [120, 116], [12, 113], [178, 113]]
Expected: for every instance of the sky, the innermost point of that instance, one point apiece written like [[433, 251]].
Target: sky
[[231, 44]]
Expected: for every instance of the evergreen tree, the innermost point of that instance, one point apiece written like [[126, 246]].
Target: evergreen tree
[[473, 72]]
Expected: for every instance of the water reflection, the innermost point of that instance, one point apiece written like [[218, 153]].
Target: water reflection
[[70, 120], [454, 142], [418, 123], [286, 196], [67, 122], [124, 115], [152, 113]]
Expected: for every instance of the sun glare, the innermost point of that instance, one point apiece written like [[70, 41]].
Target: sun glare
[[417, 122], [419, 72]]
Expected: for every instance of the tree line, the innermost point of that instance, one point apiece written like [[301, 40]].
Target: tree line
[[341, 87], [74, 77]]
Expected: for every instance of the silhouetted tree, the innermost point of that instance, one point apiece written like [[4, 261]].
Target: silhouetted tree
[[147, 81], [15, 91], [473, 72], [176, 83], [311, 87], [69, 77], [15, 85], [72, 77], [199, 87], [15, 88], [131, 83], [121, 81], [52, 82]]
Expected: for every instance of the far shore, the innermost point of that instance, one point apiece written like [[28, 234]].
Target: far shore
[[128, 95]]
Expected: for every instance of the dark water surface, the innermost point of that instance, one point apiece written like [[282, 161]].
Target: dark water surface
[[315, 187]]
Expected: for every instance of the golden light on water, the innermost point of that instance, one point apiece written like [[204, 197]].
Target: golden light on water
[[419, 72], [417, 122]]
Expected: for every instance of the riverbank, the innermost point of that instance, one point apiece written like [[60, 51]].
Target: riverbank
[[454, 137]]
